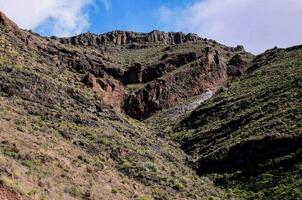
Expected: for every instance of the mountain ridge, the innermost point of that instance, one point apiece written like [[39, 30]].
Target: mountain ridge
[[160, 118], [129, 37], [62, 135]]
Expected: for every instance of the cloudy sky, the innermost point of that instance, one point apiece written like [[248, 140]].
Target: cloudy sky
[[256, 24]]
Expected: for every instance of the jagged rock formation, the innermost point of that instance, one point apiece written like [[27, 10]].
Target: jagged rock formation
[[205, 72], [126, 37], [236, 66], [159, 90], [167, 83]]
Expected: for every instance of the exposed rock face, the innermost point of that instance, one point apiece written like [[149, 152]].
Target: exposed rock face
[[140, 74], [107, 77], [169, 64], [209, 72], [111, 93], [134, 74], [239, 48], [236, 66], [126, 37]]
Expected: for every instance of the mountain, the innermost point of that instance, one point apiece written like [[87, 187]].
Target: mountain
[[250, 132], [126, 115]]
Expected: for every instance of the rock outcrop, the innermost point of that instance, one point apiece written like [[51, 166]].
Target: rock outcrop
[[236, 66], [207, 72], [111, 93], [134, 74], [143, 74], [126, 37]]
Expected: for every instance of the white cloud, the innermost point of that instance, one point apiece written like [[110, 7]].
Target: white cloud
[[55, 17], [257, 24]]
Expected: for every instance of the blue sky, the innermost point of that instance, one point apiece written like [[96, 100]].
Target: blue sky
[[134, 15], [256, 24]]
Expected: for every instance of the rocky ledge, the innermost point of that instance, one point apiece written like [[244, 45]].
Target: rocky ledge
[[127, 37]]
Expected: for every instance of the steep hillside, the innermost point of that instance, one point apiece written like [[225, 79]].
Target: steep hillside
[[126, 115], [64, 132], [249, 135]]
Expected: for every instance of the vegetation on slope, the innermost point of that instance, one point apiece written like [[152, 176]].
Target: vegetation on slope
[[58, 140], [63, 137], [250, 132]]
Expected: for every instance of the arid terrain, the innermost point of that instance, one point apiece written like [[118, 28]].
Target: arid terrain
[[126, 115]]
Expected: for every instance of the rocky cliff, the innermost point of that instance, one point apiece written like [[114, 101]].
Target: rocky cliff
[[127, 37], [204, 72]]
